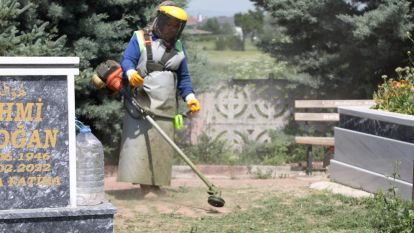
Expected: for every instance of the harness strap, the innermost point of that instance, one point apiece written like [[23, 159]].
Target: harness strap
[[148, 43], [144, 38], [166, 57]]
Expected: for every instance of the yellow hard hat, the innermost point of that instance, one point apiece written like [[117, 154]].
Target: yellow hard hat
[[175, 12]]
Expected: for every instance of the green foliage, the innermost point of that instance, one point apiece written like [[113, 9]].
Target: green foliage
[[262, 174], [391, 214], [204, 74], [251, 22], [280, 150], [342, 45], [224, 37], [229, 42], [397, 95], [214, 26], [258, 67], [34, 38], [221, 43], [276, 152], [207, 151]]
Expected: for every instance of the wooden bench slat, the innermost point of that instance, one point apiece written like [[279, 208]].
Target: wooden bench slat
[[328, 141], [331, 103], [303, 116]]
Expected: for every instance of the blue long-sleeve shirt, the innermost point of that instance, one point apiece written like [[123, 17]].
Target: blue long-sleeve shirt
[[130, 61]]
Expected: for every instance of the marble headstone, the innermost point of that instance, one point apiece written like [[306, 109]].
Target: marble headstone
[[34, 142], [38, 150]]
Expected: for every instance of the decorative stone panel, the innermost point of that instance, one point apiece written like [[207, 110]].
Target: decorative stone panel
[[241, 110]]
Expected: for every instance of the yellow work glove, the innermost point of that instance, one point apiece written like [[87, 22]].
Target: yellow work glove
[[136, 80], [193, 105]]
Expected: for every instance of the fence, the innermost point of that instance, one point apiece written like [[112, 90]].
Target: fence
[[241, 110]]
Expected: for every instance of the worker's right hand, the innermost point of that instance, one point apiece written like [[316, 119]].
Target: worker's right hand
[[194, 105], [135, 79]]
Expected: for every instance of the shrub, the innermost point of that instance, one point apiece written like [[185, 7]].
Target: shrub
[[221, 43], [207, 151], [280, 150], [275, 152], [391, 214], [230, 42], [397, 95]]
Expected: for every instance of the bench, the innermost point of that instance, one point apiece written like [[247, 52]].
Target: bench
[[316, 111]]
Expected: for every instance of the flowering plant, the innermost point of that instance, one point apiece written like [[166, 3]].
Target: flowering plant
[[397, 95]]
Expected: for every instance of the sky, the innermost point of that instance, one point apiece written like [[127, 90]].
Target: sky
[[218, 7]]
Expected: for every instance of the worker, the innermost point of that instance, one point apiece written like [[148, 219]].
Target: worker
[[155, 66]]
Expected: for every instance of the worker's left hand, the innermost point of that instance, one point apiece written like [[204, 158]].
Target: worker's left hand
[[194, 105]]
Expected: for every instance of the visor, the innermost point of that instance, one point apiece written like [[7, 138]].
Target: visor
[[168, 28]]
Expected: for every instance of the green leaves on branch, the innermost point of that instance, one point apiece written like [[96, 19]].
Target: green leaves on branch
[[34, 39], [344, 46]]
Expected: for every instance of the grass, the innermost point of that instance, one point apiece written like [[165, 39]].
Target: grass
[[227, 56], [249, 64], [275, 211]]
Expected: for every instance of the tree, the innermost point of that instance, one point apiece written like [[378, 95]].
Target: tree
[[212, 25], [344, 46], [251, 22], [34, 39]]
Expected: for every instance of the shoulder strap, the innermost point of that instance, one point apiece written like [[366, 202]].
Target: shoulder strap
[[148, 43], [144, 38], [140, 38]]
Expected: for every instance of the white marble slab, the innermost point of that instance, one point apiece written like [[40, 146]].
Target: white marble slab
[[39, 60], [365, 112], [357, 177], [378, 154]]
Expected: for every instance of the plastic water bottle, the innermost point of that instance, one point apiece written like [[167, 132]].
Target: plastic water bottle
[[89, 168]]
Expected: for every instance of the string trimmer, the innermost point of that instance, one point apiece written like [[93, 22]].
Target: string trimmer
[[109, 75]]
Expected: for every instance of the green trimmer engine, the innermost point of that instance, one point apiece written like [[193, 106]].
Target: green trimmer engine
[[109, 75]]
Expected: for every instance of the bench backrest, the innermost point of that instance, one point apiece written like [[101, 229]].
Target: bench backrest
[[322, 117], [319, 104]]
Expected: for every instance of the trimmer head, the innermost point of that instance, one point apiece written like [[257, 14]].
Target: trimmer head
[[216, 201], [214, 197]]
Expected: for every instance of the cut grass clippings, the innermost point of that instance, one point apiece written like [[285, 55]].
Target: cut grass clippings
[[309, 211]]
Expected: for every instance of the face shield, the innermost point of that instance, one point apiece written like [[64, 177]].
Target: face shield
[[169, 24]]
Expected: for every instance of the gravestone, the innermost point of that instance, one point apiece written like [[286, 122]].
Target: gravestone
[[38, 150]]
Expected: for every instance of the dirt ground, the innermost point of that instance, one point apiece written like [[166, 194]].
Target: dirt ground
[[188, 197]]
